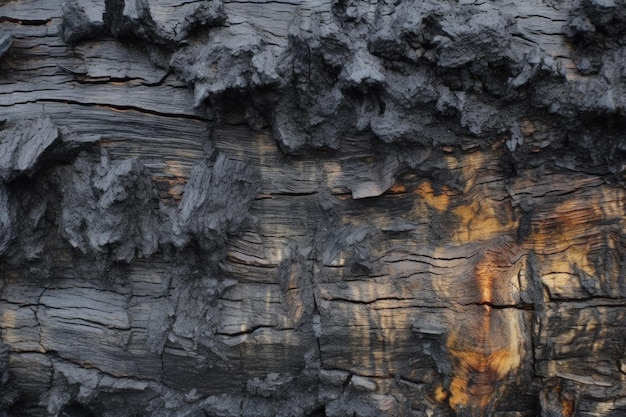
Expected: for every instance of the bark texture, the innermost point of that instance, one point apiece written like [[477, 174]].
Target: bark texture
[[307, 208]]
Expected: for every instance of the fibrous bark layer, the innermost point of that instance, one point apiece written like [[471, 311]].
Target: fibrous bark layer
[[305, 208]]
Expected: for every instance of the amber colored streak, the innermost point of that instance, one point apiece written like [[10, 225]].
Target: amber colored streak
[[474, 383], [483, 354], [440, 394], [579, 218], [567, 407], [486, 276], [485, 350], [574, 229], [397, 189], [437, 201], [555, 393], [493, 274], [480, 222], [567, 224]]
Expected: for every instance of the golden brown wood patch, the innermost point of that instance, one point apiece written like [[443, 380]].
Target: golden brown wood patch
[[485, 342]]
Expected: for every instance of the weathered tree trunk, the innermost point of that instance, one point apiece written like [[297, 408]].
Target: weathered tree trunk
[[306, 208]]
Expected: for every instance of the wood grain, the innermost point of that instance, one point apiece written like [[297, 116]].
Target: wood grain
[[281, 208]]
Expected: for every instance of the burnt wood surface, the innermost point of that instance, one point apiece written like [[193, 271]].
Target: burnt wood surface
[[312, 208]]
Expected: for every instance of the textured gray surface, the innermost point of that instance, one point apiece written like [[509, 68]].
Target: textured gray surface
[[306, 208]]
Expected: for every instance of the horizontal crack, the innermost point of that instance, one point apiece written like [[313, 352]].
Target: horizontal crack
[[529, 307], [249, 331], [364, 302], [270, 195], [25, 22], [115, 107]]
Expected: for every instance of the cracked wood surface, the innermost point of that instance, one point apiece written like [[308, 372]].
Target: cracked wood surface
[[309, 208]]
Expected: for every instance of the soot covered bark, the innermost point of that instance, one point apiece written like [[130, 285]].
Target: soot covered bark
[[306, 208]]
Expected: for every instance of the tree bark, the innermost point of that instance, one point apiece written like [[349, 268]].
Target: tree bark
[[281, 208]]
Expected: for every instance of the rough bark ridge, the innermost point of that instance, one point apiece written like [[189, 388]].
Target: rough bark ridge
[[305, 208]]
